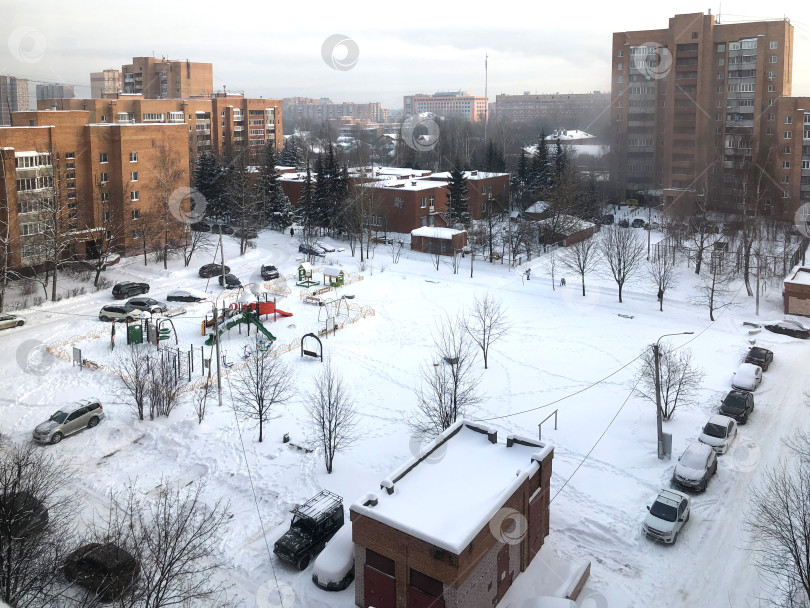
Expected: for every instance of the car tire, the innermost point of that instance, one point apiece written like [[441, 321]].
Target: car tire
[[56, 438], [93, 422], [20, 323], [702, 487], [687, 517], [105, 318], [303, 562], [675, 537]]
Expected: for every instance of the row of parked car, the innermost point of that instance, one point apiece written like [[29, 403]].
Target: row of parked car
[[698, 463]]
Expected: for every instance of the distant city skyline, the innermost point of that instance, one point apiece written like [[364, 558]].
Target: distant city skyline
[[565, 50]]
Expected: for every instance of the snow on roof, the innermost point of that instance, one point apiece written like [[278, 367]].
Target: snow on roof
[[800, 277], [331, 271], [565, 135], [590, 149], [446, 498], [406, 184], [436, 232], [538, 207], [567, 224], [470, 175]]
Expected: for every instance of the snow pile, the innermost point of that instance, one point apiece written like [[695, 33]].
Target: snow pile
[[436, 232]]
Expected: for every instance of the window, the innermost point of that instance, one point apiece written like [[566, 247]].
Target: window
[[787, 149], [621, 53], [102, 158], [785, 194], [771, 88], [771, 102], [769, 131], [153, 117], [771, 116], [423, 202], [807, 133], [619, 80], [721, 61], [806, 164], [70, 155], [720, 75], [788, 134], [786, 164], [106, 216], [135, 195], [719, 89], [133, 176], [105, 177], [133, 157], [620, 66], [773, 44], [773, 59], [136, 214], [721, 48], [788, 120], [105, 197], [694, 35], [785, 179], [136, 234], [619, 104]]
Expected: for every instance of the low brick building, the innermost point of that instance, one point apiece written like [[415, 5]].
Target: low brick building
[[797, 292], [455, 526], [435, 239]]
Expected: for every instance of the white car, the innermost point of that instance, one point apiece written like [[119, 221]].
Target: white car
[[7, 320], [334, 567], [666, 516], [719, 433], [747, 377]]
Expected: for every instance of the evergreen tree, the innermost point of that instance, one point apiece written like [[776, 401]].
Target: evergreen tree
[[209, 181], [282, 212], [267, 183], [306, 204], [494, 160], [321, 195], [293, 154], [540, 168], [457, 199], [560, 159]]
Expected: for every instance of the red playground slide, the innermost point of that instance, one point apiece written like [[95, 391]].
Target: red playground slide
[[268, 308]]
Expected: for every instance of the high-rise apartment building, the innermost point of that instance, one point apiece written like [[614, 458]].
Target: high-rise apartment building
[[564, 111], [105, 83], [55, 91], [167, 78], [324, 109], [695, 107], [14, 97], [453, 103]]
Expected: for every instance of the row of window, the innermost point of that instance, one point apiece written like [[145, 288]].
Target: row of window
[[25, 162], [34, 183]]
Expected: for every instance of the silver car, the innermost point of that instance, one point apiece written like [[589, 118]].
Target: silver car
[[68, 420], [7, 320]]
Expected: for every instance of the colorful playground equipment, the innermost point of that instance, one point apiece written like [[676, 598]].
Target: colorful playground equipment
[[153, 330], [305, 276], [247, 318], [264, 308]]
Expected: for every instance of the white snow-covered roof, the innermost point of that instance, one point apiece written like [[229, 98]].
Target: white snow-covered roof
[[538, 207], [567, 224], [470, 175], [566, 135], [406, 184], [332, 271], [590, 149], [449, 495], [436, 232], [800, 277]]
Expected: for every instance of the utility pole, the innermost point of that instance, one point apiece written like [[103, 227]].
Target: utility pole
[[658, 413], [216, 325], [759, 263], [649, 230]]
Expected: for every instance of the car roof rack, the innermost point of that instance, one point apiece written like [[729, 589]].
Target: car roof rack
[[319, 507]]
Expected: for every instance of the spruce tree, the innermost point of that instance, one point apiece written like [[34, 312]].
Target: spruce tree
[[540, 169], [457, 199], [560, 158], [306, 204], [209, 181]]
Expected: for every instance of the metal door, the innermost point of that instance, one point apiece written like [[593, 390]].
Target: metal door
[[503, 572]]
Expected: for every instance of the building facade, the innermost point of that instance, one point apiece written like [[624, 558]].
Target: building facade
[[454, 103], [562, 111], [107, 82], [695, 105], [14, 97], [94, 182], [167, 78], [437, 533], [306, 108], [55, 91]]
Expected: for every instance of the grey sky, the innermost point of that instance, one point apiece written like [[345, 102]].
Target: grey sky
[[273, 49]]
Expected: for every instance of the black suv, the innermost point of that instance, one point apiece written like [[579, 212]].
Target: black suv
[[309, 249], [313, 524], [760, 356], [127, 289], [106, 569], [738, 405], [269, 272], [23, 515], [212, 270], [231, 281]]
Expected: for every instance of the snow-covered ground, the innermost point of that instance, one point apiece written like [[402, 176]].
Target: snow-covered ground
[[565, 352]]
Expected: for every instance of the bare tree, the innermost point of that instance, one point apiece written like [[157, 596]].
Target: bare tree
[[486, 323], [245, 207], [581, 257], [176, 538], [680, 378], [778, 518], [105, 224], [449, 389], [716, 290], [661, 271], [264, 382], [550, 264], [168, 174], [700, 232], [435, 253], [36, 524], [133, 363], [396, 250], [623, 252], [58, 217], [165, 388], [201, 396], [332, 413]]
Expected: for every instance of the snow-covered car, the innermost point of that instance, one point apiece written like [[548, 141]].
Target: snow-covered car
[[738, 405], [334, 567], [760, 356], [186, 295], [23, 513], [638, 223], [719, 433], [68, 420], [695, 467], [147, 304], [666, 516], [326, 248], [118, 312], [789, 328], [7, 321], [747, 377], [106, 569]]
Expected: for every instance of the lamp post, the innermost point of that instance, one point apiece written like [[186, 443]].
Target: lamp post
[[659, 413]]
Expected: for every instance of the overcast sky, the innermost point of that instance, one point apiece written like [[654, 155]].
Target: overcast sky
[[273, 49]]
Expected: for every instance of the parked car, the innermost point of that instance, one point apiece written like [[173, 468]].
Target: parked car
[[652, 226], [695, 467], [249, 233], [789, 328], [760, 356], [127, 289], [106, 569], [329, 249], [118, 312], [638, 223], [212, 270], [186, 295], [7, 320], [738, 405], [667, 515], [221, 229], [747, 377], [310, 249], [313, 524], [624, 223], [333, 569], [200, 227], [231, 281], [269, 272], [68, 420], [23, 514], [719, 433], [147, 304], [607, 219]]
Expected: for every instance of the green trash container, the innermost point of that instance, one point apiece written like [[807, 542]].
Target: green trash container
[[134, 334]]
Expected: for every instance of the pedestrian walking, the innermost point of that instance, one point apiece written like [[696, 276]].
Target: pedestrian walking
[[292, 232], [528, 274], [562, 282]]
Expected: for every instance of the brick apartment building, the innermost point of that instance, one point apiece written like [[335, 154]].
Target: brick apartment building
[[55, 91], [564, 111], [324, 109], [219, 123], [454, 527], [710, 104], [14, 97], [106, 82], [104, 172], [167, 78], [411, 198], [454, 103]]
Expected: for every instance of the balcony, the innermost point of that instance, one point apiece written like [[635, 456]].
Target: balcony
[[238, 129]]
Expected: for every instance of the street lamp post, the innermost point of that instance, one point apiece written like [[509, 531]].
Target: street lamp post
[[659, 417]]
